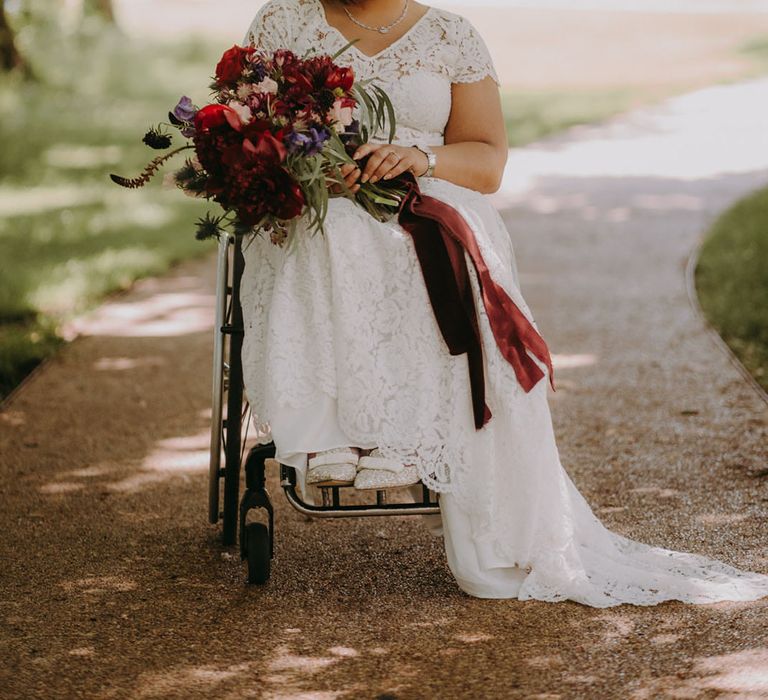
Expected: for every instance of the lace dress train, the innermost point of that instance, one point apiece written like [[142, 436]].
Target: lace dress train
[[342, 348]]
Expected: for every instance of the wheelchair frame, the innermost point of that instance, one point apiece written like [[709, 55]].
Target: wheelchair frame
[[229, 427]]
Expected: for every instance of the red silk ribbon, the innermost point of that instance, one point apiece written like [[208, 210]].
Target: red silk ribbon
[[441, 236]]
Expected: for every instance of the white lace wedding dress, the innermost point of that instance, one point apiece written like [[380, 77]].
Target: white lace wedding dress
[[342, 348]]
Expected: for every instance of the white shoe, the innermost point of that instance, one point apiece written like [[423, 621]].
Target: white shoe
[[334, 467], [376, 472]]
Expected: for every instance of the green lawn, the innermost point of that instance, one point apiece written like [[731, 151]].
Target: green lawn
[[732, 281], [68, 236], [531, 115]]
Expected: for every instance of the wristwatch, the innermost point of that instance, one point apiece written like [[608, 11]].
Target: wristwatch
[[431, 160]]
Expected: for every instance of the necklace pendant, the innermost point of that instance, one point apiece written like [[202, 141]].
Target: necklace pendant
[[383, 30]]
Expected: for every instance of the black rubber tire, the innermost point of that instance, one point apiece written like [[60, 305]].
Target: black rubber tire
[[257, 549]]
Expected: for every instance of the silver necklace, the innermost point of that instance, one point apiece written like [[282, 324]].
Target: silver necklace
[[384, 28]]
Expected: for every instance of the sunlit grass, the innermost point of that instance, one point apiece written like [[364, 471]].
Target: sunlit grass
[[757, 51], [531, 115], [732, 281], [68, 235]]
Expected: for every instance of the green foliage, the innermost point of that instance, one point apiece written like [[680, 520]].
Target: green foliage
[[756, 49], [67, 234], [23, 346], [732, 281], [531, 115]]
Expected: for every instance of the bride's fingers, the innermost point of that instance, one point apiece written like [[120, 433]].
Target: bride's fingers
[[367, 148], [385, 163], [351, 176], [399, 169], [375, 153]]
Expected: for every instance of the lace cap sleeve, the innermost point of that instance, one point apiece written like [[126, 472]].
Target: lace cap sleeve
[[474, 61], [271, 27]]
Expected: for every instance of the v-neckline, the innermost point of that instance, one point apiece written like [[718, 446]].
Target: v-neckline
[[362, 54]]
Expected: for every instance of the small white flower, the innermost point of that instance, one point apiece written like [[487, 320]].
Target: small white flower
[[266, 85], [244, 91]]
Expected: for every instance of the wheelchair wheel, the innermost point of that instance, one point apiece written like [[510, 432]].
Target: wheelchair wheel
[[257, 549]]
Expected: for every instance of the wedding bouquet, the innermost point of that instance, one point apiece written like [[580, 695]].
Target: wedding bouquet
[[272, 140]]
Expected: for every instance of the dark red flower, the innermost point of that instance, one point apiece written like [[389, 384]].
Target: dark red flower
[[289, 199], [340, 77], [297, 81], [271, 191], [232, 64], [284, 58], [265, 147]]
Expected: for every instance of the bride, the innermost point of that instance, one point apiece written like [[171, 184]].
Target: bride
[[346, 364]]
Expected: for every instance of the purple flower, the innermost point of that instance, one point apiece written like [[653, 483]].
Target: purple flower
[[296, 141], [258, 69], [185, 111], [318, 138], [309, 144]]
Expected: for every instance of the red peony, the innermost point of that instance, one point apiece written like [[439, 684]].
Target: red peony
[[230, 67]]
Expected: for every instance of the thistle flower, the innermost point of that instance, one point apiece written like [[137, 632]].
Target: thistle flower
[[209, 227], [157, 139]]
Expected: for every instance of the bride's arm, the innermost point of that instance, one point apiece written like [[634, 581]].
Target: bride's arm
[[475, 150]]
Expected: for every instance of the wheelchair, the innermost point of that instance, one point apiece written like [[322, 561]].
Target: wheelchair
[[250, 520]]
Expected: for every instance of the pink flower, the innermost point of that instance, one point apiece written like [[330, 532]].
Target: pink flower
[[242, 111], [341, 113]]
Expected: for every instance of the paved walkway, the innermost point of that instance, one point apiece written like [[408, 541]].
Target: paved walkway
[[114, 586]]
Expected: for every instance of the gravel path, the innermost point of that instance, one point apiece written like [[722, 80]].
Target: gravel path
[[114, 586]]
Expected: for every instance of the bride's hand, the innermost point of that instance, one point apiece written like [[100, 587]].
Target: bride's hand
[[351, 173], [388, 160]]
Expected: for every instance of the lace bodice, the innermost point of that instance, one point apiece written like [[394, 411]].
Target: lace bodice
[[416, 70]]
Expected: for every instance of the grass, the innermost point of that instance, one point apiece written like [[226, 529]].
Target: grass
[[68, 235], [531, 115], [756, 50], [732, 281]]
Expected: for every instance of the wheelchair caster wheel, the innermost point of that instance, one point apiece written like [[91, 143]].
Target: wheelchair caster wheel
[[257, 551]]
